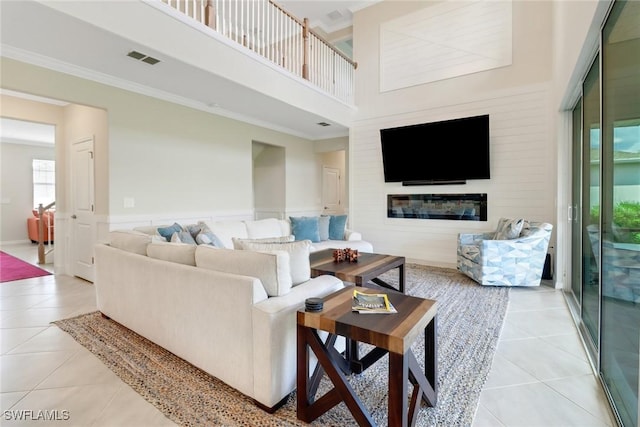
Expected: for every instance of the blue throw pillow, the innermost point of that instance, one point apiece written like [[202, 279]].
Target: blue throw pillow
[[305, 228], [337, 225], [167, 232]]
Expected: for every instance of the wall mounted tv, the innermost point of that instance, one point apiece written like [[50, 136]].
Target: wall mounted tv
[[444, 152]]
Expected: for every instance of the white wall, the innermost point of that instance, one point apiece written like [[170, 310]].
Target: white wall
[[518, 100], [16, 189], [173, 161]]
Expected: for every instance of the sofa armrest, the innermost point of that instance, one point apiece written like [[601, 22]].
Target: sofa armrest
[[352, 235]]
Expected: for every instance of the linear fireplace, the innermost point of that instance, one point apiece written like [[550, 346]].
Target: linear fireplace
[[463, 207]]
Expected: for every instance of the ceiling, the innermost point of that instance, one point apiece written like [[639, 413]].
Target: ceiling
[[330, 16], [35, 33]]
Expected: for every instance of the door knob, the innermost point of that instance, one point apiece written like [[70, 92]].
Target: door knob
[[73, 216]]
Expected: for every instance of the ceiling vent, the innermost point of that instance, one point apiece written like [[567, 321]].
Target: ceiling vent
[[142, 57], [323, 124]]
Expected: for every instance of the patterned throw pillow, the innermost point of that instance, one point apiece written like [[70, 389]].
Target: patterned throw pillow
[[509, 229], [305, 228]]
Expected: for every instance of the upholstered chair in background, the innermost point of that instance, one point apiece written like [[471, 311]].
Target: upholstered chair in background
[[513, 255]]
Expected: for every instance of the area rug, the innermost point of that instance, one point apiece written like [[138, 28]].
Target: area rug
[[12, 268], [470, 319]]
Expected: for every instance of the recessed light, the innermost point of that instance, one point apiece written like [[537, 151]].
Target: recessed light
[[323, 124]]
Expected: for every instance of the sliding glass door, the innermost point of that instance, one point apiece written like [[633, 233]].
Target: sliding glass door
[[620, 211], [605, 210], [590, 212]]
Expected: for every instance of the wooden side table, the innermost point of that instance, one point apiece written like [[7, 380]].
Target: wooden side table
[[389, 333]]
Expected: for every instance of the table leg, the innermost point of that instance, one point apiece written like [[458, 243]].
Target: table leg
[[398, 394], [308, 409]]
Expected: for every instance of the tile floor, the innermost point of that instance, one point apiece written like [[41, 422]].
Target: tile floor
[[540, 374]]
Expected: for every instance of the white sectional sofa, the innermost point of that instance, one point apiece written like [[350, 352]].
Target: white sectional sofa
[[226, 231], [229, 312]]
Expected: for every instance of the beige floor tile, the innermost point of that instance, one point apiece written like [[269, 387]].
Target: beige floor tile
[[504, 373], [542, 360], [541, 322], [484, 418], [585, 391], [7, 400], [10, 338], [83, 368], [49, 339], [83, 404], [536, 405], [129, 408], [23, 372]]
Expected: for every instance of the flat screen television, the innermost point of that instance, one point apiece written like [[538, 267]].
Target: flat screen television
[[444, 152]]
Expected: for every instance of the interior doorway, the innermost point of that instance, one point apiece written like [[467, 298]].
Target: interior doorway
[[269, 181]]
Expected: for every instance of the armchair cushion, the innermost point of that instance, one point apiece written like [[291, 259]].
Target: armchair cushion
[[509, 228]]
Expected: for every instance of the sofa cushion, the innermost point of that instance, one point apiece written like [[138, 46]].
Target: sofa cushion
[[337, 226], [226, 230], [130, 241], [273, 269], [258, 229], [305, 228], [298, 255], [509, 228], [167, 232], [237, 243], [183, 237], [182, 253], [323, 227]]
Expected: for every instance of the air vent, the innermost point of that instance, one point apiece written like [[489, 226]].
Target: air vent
[[143, 57], [323, 124]]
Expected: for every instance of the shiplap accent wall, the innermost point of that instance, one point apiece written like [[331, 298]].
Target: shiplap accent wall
[[522, 175], [449, 39]]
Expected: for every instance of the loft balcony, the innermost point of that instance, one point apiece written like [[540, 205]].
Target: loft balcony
[[254, 69], [269, 30]]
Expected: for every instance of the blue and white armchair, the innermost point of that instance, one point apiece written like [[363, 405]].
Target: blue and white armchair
[[513, 255]]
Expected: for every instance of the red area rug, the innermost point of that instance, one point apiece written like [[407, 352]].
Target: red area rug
[[12, 268]]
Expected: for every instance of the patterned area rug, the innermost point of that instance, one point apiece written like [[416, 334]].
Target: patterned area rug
[[470, 319]]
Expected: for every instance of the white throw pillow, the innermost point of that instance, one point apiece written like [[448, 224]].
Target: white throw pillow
[[298, 255], [237, 243], [271, 268]]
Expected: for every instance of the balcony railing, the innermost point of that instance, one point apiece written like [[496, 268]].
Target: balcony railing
[[267, 29]]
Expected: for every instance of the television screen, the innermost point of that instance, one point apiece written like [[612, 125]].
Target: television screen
[[451, 150]]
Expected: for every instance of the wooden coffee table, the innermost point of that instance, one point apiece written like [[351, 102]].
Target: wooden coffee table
[[367, 269], [389, 333]]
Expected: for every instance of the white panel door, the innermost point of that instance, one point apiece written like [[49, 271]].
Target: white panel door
[[331, 190], [82, 203]]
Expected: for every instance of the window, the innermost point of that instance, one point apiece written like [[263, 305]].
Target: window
[[44, 182]]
